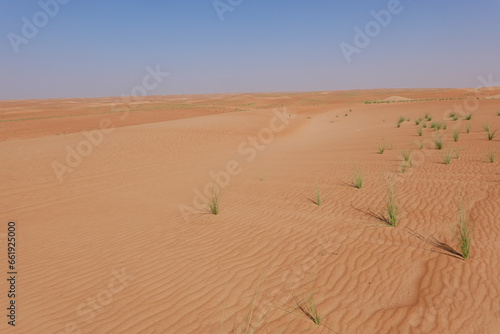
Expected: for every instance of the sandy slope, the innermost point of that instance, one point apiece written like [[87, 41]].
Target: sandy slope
[[107, 250]]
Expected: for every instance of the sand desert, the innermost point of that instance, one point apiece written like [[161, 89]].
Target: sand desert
[[115, 233]]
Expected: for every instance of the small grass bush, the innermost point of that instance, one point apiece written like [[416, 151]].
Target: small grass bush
[[358, 179], [438, 141]]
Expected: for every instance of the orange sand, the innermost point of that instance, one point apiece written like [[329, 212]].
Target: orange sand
[[107, 250]]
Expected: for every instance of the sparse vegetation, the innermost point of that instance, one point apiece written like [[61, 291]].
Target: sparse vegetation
[[401, 120], [392, 210], [456, 134], [488, 131], [419, 131], [463, 234], [406, 155], [358, 179], [491, 156], [465, 230], [421, 145], [318, 198], [424, 125], [467, 127], [447, 157], [214, 201], [438, 141], [308, 308], [381, 149], [436, 126], [246, 326], [468, 117]]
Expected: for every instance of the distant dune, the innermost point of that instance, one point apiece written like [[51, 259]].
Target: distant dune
[[396, 98]]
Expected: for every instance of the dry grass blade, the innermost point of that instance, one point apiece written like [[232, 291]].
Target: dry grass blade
[[308, 308], [444, 247], [214, 201], [465, 229]]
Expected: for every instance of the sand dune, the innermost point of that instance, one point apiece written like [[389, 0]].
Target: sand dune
[[109, 246], [397, 98]]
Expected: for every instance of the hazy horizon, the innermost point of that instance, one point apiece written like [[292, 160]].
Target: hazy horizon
[[71, 49]]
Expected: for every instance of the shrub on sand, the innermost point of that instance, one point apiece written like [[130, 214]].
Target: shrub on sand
[[358, 179], [392, 210], [438, 141]]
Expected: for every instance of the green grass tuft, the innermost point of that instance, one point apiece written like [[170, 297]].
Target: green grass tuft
[[381, 149], [468, 117], [491, 135], [319, 200], [456, 134], [419, 131], [491, 156], [406, 155], [467, 127], [358, 179], [392, 210], [308, 308], [214, 201], [438, 141], [436, 126], [488, 131], [465, 230], [447, 157]]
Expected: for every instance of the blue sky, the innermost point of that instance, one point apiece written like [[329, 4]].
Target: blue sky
[[101, 48]]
